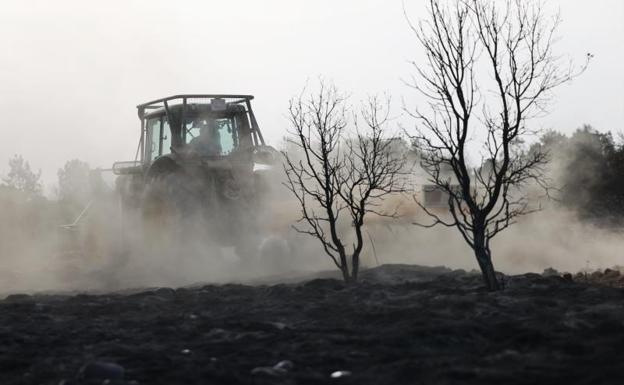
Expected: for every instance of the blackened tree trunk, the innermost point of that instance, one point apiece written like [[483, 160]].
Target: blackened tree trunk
[[344, 269], [484, 259]]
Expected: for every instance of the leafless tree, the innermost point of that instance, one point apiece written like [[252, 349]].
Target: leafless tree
[[340, 179], [469, 109]]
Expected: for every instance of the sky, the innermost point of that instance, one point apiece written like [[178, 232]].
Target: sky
[[73, 71]]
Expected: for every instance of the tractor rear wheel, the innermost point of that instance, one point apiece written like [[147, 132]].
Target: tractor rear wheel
[[160, 213]]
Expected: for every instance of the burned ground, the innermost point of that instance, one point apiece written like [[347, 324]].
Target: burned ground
[[400, 325]]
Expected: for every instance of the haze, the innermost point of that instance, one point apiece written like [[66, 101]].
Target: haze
[[72, 72]]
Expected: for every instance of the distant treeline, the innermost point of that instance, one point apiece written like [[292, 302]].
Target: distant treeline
[[32, 223], [586, 173]]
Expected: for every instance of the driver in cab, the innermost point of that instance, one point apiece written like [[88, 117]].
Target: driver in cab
[[208, 143]]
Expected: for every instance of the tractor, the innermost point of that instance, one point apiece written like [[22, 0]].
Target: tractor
[[202, 172]]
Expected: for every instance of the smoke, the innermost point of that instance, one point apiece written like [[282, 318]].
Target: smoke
[[554, 237], [106, 250], [95, 243]]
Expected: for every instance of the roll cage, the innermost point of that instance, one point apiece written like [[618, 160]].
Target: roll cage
[[175, 111]]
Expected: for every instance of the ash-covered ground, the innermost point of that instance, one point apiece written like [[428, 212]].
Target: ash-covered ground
[[400, 325]]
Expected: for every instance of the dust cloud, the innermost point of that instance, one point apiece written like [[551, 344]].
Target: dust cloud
[[98, 244], [553, 237], [42, 249]]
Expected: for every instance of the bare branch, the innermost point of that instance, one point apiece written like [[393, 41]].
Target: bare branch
[[514, 40], [338, 173]]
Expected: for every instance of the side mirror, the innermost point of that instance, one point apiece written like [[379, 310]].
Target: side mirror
[[127, 167]]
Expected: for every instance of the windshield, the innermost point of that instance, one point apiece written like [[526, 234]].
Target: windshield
[[211, 136]]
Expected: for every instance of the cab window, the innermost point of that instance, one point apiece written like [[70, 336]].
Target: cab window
[[212, 136], [159, 136], [153, 134], [166, 138]]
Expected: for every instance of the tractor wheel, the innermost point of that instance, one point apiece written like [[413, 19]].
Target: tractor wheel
[[161, 214], [247, 233], [174, 217], [276, 252]]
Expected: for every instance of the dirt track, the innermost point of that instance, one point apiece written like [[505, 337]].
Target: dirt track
[[402, 325]]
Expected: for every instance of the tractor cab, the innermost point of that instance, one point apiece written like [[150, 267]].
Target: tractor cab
[[205, 126], [211, 126]]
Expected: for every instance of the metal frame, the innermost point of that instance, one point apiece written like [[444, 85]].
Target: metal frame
[[155, 103], [163, 103]]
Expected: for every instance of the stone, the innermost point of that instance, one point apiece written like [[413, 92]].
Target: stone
[[18, 298], [266, 371], [550, 272], [278, 370], [340, 374], [166, 292], [101, 370], [611, 273], [284, 366]]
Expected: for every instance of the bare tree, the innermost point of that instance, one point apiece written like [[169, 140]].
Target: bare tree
[[339, 180], [469, 110]]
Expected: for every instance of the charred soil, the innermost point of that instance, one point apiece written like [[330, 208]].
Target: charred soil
[[400, 325]]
